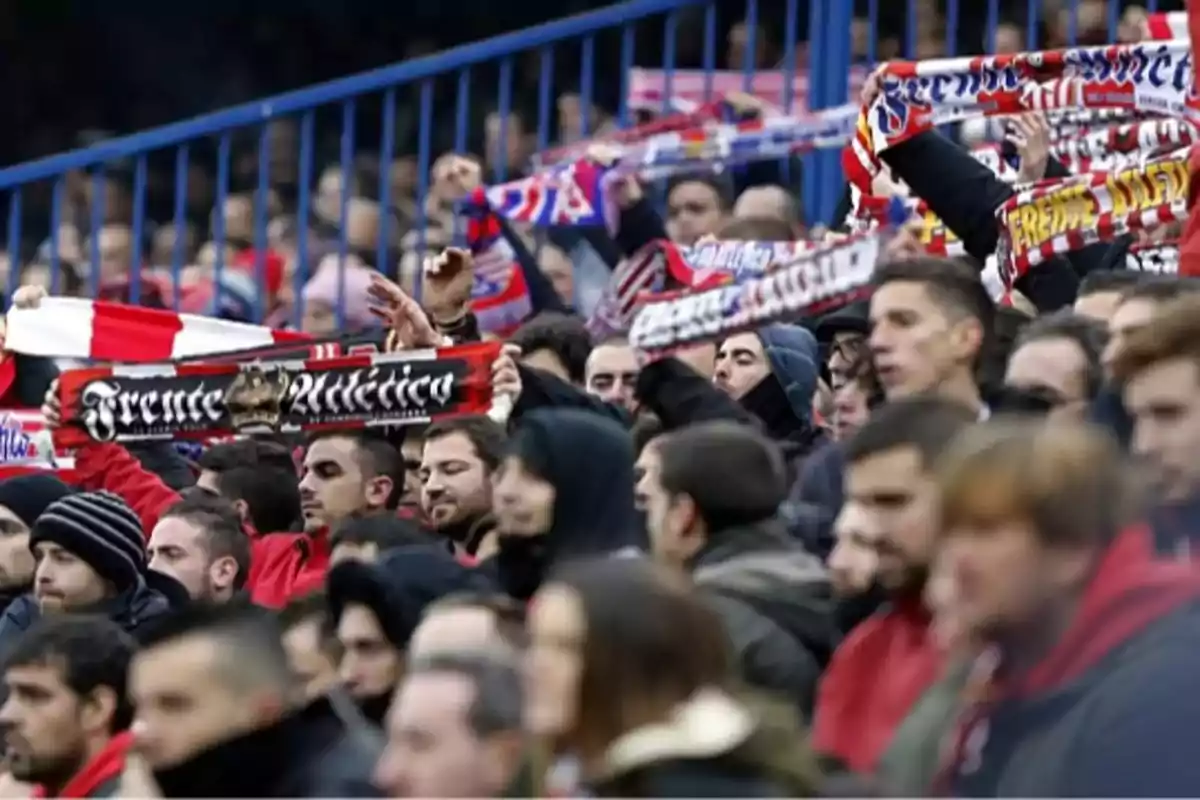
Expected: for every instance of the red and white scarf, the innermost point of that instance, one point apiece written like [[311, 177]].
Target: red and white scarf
[[63, 327]]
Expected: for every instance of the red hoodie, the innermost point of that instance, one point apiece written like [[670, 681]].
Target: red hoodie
[[105, 767], [874, 678], [282, 565], [1189, 244], [1131, 589]]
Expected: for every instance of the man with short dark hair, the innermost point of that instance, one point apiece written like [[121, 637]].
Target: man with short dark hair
[[557, 343], [454, 729], [886, 662], [200, 543], [22, 501], [346, 473], [711, 493], [931, 321], [65, 711], [931, 326], [1057, 358], [458, 460], [219, 713], [258, 477], [611, 372]]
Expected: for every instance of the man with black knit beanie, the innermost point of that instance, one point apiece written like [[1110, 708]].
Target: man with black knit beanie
[[90, 557], [711, 493], [22, 501]]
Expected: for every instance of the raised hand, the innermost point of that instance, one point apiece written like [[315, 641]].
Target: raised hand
[[446, 284], [407, 320]]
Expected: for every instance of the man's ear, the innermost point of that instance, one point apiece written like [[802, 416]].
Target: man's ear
[[378, 490], [243, 512], [97, 709]]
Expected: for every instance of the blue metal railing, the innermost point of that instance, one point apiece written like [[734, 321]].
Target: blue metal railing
[[818, 41]]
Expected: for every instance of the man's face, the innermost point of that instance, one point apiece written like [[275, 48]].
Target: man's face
[[666, 521], [178, 548], [693, 210], [854, 560], [1164, 402], [913, 343], [1130, 316], [64, 582], [1003, 576], [611, 374], [431, 748], [309, 660], [370, 664], [846, 350], [44, 724], [1099, 306], [455, 484], [16, 560], [892, 500], [522, 503], [186, 703], [1055, 369], [741, 365], [411, 453], [333, 486]]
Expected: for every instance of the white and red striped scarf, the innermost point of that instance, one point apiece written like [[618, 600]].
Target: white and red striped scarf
[[1056, 217], [63, 327], [818, 281], [916, 97], [26, 447], [1171, 25]]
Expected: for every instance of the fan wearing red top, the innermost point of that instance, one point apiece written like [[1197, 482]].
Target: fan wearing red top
[[66, 712]]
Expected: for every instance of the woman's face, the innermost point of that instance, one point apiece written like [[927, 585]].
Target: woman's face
[[554, 661]]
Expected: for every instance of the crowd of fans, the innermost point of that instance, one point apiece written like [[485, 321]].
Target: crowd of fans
[[923, 545]]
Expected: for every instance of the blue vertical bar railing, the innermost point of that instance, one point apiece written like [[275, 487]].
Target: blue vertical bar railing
[[475, 74]]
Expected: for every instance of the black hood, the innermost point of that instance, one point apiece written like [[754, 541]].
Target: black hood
[[589, 461]]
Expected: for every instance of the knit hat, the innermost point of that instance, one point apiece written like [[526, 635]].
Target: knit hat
[[27, 496], [326, 286], [99, 528]]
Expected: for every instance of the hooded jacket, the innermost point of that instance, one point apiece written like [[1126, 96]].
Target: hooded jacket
[[775, 600], [1111, 710], [137, 606], [785, 406], [589, 461]]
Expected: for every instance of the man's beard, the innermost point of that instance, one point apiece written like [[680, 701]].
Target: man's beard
[[52, 772], [912, 582]]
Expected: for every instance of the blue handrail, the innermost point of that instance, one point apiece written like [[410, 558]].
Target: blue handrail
[[418, 69]]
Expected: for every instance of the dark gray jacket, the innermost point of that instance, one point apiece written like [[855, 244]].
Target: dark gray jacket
[[775, 600]]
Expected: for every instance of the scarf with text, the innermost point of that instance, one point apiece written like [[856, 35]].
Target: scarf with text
[[818, 281], [917, 96], [1055, 217], [199, 401]]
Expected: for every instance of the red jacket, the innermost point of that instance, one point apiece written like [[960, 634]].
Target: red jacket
[[1189, 245], [92, 778], [874, 678], [282, 565]]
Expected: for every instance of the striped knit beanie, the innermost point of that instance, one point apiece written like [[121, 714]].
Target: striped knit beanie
[[100, 529]]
